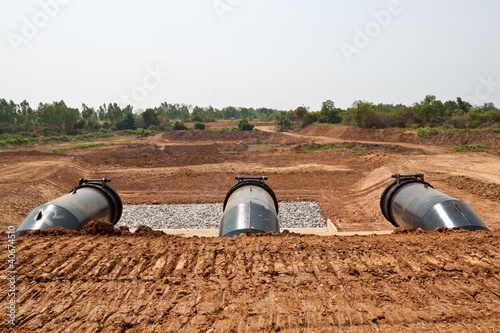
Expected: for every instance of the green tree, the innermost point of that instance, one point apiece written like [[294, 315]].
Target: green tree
[[284, 123], [245, 113], [26, 115], [46, 114], [92, 122], [309, 118], [114, 113], [127, 123], [299, 113], [80, 124], [88, 112], [8, 112], [229, 112], [360, 113], [211, 114], [430, 111], [170, 111], [329, 113], [463, 105], [198, 114], [150, 118], [70, 117], [102, 113], [184, 113]]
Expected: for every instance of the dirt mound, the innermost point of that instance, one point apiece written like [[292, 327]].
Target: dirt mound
[[490, 138], [400, 282], [145, 231], [246, 137], [489, 191], [213, 148], [191, 149], [51, 232], [99, 227], [359, 146], [226, 124], [232, 147]]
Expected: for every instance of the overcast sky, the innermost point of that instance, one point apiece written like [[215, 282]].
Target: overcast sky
[[276, 53]]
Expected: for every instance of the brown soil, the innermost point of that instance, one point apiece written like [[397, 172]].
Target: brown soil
[[110, 280], [102, 280], [490, 138]]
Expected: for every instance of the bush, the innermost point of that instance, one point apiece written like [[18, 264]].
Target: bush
[[71, 131], [308, 119], [425, 132], [165, 128], [244, 125], [179, 126], [126, 123], [284, 124], [93, 123], [457, 121], [199, 126], [80, 124]]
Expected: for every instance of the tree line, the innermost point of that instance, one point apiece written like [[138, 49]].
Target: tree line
[[22, 117], [430, 112]]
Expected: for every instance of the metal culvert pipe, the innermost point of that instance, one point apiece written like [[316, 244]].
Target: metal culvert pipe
[[90, 201], [411, 203], [249, 205]]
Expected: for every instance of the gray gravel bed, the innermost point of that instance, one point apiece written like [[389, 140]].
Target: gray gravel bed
[[208, 216]]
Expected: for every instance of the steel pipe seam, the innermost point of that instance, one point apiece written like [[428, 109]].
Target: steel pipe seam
[[411, 203], [114, 200], [389, 193], [91, 200], [250, 205]]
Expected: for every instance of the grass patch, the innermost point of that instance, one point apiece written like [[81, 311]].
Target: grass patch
[[319, 147], [30, 139], [422, 152], [260, 147], [224, 129], [469, 147], [86, 145], [427, 131]]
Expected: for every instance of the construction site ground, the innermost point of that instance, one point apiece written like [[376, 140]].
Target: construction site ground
[[111, 280]]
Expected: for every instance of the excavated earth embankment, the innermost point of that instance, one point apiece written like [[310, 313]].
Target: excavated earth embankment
[[452, 138], [109, 280]]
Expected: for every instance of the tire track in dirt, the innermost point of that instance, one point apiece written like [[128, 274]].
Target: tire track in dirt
[[169, 283]]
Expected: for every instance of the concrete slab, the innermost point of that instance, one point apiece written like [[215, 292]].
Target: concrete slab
[[306, 231]]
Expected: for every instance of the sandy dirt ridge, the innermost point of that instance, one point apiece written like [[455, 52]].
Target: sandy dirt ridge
[[109, 280], [448, 139]]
